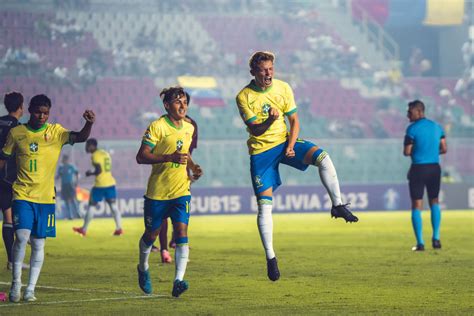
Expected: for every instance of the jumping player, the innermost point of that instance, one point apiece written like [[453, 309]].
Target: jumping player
[[165, 146], [262, 104], [104, 187], [36, 146], [424, 142]]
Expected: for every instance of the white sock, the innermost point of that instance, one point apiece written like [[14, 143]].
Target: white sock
[[328, 176], [144, 254], [117, 215], [89, 216], [265, 226], [181, 257], [19, 248], [36, 261]]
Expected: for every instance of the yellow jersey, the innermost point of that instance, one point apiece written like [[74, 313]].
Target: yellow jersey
[[37, 153], [104, 179], [254, 103], [168, 180]]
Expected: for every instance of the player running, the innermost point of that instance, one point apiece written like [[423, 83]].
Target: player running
[[104, 187], [262, 104], [424, 142], [36, 146], [165, 145]]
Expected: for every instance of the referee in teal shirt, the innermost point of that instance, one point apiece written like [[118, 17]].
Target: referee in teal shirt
[[424, 142]]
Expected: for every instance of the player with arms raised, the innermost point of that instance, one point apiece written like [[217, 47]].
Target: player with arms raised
[[165, 146], [262, 104], [36, 146]]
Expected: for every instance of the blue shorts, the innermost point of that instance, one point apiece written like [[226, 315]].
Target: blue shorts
[[157, 210], [38, 218], [264, 166], [98, 194]]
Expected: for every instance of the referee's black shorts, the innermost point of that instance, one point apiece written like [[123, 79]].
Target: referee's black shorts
[[424, 175], [6, 195]]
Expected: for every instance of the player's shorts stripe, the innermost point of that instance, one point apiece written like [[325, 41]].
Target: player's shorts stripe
[[291, 112]]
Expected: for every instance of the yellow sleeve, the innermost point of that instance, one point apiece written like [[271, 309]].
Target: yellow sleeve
[[95, 158], [62, 134], [152, 135], [290, 104], [9, 147], [244, 109]]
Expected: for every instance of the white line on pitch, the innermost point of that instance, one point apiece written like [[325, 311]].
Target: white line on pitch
[[84, 301], [75, 289]]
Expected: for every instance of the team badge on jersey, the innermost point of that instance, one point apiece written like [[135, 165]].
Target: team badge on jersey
[[265, 108], [147, 134], [179, 144], [34, 147]]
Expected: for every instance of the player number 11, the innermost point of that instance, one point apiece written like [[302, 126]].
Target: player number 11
[[33, 167]]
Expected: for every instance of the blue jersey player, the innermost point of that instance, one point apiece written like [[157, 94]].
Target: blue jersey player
[[424, 142]]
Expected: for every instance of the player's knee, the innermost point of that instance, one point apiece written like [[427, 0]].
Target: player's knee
[[318, 156], [37, 243], [22, 236], [150, 237]]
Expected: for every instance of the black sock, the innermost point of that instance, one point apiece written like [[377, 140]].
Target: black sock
[[8, 237]]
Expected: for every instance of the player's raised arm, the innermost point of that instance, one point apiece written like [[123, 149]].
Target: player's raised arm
[[83, 134], [146, 157]]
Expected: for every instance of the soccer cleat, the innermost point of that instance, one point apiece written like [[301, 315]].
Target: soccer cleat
[[118, 232], [272, 269], [343, 211], [80, 231], [419, 247], [179, 287], [436, 243], [24, 266], [29, 296], [15, 293], [144, 281], [155, 248], [166, 257]]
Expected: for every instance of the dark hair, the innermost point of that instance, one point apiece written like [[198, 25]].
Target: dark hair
[[91, 141], [13, 101], [172, 93], [39, 100], [417, 104], [260, 56]]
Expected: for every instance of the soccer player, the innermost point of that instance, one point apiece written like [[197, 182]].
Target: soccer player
[[165, 146], [69, 178], [262, 104], [36, 146], [13, 102], [104, 187], [424, 142], [165, 255]]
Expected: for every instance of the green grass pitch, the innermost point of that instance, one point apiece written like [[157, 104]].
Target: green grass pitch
[[327, 267]]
